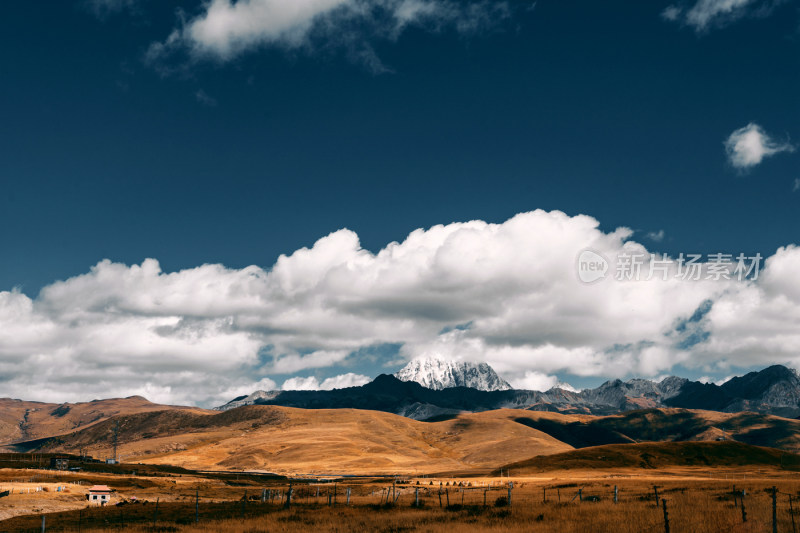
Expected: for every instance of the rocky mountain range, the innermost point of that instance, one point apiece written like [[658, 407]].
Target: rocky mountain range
[[438, 373], [773, 390]]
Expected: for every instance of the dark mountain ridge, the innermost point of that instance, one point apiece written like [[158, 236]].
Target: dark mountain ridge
[[774, 390]]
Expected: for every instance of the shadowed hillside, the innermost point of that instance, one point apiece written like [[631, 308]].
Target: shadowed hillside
[[22, 420], [669, 425], [285, 440], [350, 441], [659, 455]]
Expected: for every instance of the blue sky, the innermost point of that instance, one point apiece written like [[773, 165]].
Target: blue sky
[[219, 133]]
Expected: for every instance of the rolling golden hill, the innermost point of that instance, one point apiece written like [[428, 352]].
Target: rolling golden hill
[[23, 420], [288, 440], [324, 441]]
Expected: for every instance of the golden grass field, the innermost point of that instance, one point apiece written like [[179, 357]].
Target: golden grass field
[[294, 441], [698, 500], [178, 457]]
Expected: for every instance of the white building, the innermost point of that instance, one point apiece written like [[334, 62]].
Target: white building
[[99, 495]]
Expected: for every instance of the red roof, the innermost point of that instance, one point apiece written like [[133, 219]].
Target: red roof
[[99, 488]]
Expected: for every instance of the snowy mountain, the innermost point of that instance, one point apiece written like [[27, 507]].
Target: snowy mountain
[[255, 398], [438, 373], [423, 390]]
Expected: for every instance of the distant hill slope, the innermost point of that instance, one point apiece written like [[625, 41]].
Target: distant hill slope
[[22, 420], [287, 440], [773, 390], [669, 425], [350, 441], [658, 455]]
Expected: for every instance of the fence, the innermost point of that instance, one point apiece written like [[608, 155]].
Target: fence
[[658, 508]]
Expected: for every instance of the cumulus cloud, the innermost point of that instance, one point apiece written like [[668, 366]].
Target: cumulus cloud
[[225, 29], [532, 380], [507, 294], [748, 146], [706, 14], [298, 383], [337, 382], [656, 236]]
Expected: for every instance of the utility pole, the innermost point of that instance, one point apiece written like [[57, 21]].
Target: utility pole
[[115, 432]]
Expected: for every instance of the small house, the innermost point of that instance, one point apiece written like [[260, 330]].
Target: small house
[[99, 495]]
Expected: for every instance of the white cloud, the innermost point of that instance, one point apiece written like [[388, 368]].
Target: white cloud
[[507, 294], [748, 146], [536, 381], [225, 29], [337, 382], [298, 383], [656, 236], [705, 14], [245, 388], [204, 98], [672, 13], [343, 381]]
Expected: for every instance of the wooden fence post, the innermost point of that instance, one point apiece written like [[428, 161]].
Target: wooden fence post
[[289, 497], [43, 524], [447, 494], [580, 495], [197, 506], [774, 510], [510, 486], [416, 497], [440, 497], [655, 489], [155, 514], [615, 494], [544, 494], [744, 513], [348, 495], [666, 516], [791, 513]]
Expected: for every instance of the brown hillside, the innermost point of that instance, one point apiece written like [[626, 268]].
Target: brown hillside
[[665, 425], [22, 420], [659, 455], [289, 440]]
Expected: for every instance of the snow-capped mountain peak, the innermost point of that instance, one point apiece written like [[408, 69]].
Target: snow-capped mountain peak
[[436, 372]]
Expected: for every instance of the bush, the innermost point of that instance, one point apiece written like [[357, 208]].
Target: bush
[[502, 501]]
